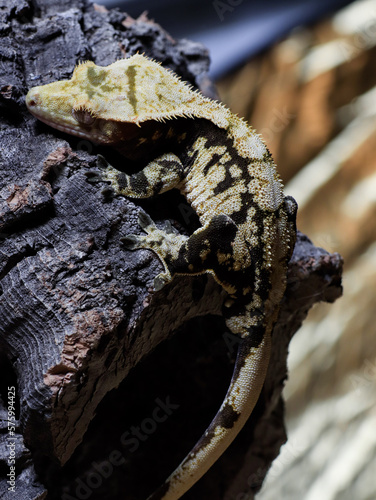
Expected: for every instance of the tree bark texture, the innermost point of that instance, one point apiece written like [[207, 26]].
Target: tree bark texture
[[106, 409]]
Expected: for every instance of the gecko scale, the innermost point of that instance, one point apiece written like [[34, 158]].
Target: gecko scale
[[192, 143]]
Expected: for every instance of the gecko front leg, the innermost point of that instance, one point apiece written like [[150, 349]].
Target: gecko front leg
[[160, 175]]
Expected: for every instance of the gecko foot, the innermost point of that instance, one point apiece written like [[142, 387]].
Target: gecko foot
[[166, 243], [104, 173], [95, 176]]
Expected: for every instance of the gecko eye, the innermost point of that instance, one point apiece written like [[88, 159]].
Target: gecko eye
[[83, 115]]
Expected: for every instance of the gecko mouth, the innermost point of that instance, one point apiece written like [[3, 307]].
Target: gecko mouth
[[68, 129]]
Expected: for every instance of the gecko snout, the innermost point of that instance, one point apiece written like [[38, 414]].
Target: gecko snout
[[32, 99]]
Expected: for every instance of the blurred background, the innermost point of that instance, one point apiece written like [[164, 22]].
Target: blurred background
[[304, 74]]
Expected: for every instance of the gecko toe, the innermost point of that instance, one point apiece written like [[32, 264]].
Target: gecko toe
[[102, 163], [93, 176], [169, 228], [145, 221], [131, 242], [160, 281], [107, 191]]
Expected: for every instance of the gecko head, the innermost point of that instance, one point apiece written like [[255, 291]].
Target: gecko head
[[104, 104]]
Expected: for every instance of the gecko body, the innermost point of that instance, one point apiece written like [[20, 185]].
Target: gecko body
[[191, 143]]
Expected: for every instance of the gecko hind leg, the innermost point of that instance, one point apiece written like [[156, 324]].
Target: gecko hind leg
[[208, 249]]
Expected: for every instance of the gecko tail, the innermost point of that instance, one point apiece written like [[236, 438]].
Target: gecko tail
[[242, 395]]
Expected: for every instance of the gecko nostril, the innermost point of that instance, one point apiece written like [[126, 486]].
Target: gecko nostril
[[32, 99]]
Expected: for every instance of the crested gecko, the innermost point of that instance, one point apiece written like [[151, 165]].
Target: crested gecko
[[194, 144]]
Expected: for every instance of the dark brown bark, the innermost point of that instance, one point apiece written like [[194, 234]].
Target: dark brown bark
[[77, 310]]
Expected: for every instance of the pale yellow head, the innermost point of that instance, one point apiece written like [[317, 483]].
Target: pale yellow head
[[97, 99]]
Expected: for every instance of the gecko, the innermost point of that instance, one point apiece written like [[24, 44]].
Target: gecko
[[187, 141]]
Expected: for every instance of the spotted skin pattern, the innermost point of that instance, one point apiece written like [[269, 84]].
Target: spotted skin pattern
[[191, 143]]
